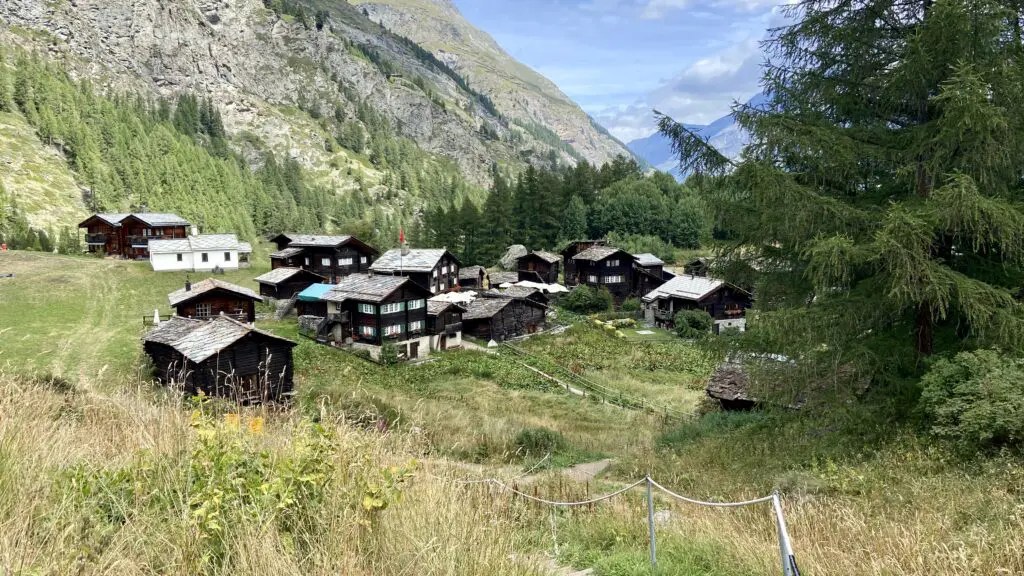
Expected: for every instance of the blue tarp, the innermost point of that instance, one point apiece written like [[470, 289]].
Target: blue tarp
[[314, 292]]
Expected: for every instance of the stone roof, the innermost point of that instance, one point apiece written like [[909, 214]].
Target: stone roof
[[314, 240], [485, 308], [245, 248], [684, 287], [417, 260], [210, 284], [549, 257], [200, 243], [471, 272], [160, 218], [287, 253], [596, 253], [729, 382], [515, 291], [198, 340], [113, 218], [435, 307], [498, 278], [279, 275], [648, 259], [365, 288]]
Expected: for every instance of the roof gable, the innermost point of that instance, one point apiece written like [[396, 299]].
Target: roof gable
[[417, 260], [157, 219], [199, 243], [599, 253], [685, 287], [198, 340], [207, 286], [279, 275], [549, 257]]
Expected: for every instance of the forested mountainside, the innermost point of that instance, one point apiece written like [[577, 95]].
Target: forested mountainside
[[527, 98], [371, 121]]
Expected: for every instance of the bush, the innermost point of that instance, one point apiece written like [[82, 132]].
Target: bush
[[631, 305], [538, 441], [976, 399], [693, 323], [585, 300], [388, 354]]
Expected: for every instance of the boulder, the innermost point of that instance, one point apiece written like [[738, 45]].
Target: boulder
[[512, 255]]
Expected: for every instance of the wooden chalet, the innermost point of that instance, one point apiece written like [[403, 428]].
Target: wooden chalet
[[332, 257], [221, 357], [286, 283], [540, 266], [472, 277], [650, 273], [444, 324], [499, 318], [570, 252], [435, 269], [608, 267], [128, 234], [308, 302], [699, 266], [211, 298], [369, 310], [725, 303], [533, 294]]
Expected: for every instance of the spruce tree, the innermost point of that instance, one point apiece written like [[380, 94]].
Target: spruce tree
[[880, 197]]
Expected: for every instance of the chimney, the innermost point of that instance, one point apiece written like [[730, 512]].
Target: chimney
[[188, 285], [194, 231]]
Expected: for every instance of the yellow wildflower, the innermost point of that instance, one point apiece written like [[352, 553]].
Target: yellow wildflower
[[232, 420], [256, 425]]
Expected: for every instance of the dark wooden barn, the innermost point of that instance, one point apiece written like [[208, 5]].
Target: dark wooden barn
[[570, 252], [721, 300], [221, 357], [444, 324], [211, 298], [308, 302], [607, 267], [472, 277], [286, 283], [332, 257], [500, 318], [699, 266], [523, 292], [435, 269], [540, 266], [128, 235]]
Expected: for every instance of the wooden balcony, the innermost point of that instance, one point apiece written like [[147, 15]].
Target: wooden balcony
[[342, 317], [96, 239], [138, 241], [664, 314]]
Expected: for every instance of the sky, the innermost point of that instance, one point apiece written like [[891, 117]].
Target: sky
[[620, 59]]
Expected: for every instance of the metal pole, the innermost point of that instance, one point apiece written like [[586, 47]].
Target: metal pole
[[789, 567], [650, 525]]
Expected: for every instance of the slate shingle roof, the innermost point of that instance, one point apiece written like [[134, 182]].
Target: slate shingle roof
[[202, 242], [648, 259], [417, 260], [435, 308], [199, 288], [314, 240], [549, 257], [287, 253], [485, 308], [522, 292], [365, 288], [160, 218], [279, 275], [596, 253], [471, 272], [198, 340], [498, 278], [684, 287]]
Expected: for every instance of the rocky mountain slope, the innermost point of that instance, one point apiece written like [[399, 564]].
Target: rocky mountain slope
[[288, 80], [519, 92]]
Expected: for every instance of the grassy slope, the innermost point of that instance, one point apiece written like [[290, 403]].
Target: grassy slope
[[861, 496], [39, 177]]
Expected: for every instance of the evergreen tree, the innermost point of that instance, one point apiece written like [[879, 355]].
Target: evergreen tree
[[6, 98], [497, 219], [574, 221], [883, 183]]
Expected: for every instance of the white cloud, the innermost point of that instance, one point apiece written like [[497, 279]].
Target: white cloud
[[656, 9]]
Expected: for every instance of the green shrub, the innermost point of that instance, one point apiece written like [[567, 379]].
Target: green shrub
[[388, 354], [976, 399], [538, 441], [693, 323], [585, 300], [631, 305]]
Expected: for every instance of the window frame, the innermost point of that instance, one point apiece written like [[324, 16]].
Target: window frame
[[227, 256], [416, 326], [416, 304], [392, 308], [346, 261], [370, 331], [612, 263], [181, 257], [393, 330], [364, 308], [205, 306], [206, 256]]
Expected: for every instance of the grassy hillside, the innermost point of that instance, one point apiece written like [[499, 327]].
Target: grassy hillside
[[110, 474]]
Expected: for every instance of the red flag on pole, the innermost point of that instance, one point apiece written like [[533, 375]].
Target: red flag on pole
[[401, 235]]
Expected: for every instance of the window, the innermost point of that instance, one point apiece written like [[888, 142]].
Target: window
[[203, 310], [612, 263], [435, 273], [181, 257], [592, 279], [392, 308], [367, 331], [227, 256], [337, 307], [206, 257], [393, 330], [307, 260], [416, 326], [417, 304], [145, 231], [367, 309], [345, 261], [325, 261], [614, 279], [363, 259], [444, 270]]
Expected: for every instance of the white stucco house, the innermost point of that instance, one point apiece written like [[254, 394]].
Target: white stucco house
[[200, 252]]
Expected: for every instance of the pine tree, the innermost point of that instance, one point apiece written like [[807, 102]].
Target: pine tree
[[574, 221], [883, 183], [6, 98]]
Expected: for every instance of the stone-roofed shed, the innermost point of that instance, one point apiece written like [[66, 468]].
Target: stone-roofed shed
[[221, 357], [211, 298], [286, 283], [540, 266], [499, 317]]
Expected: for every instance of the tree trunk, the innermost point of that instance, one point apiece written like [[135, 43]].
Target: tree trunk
[[925, 330]]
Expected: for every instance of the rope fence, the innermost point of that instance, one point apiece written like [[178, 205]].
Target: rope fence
[[786, 554]]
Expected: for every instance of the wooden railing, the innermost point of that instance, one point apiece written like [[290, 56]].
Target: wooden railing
[[138, 241], [95, 238]]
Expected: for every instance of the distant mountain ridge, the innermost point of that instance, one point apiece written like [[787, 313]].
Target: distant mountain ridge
[[724, 134]]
